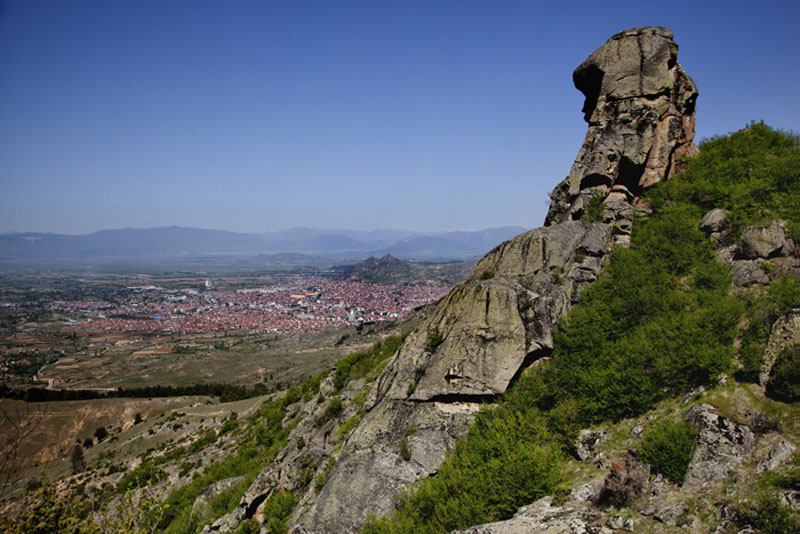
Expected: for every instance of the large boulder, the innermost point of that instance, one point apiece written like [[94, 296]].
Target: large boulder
[[640, 106], [721, 444], [714, 221], [763, 241]]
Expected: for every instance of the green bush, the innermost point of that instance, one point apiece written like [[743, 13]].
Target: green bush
[[768, 515], [594, 209], [668, 448], [248, 526], [360, 364], [488, 274], [505, 459], [332, 411], [277, 510], [435, 338], [784, 380]]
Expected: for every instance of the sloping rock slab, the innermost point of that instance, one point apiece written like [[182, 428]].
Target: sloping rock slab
[[542, 517]]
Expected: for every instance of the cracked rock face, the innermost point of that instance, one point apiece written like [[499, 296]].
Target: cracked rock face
[[640, 106]]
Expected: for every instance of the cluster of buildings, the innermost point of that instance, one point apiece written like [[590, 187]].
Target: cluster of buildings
[[305, 304]]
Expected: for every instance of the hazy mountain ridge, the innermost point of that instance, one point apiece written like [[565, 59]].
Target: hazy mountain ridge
[[181, 241]]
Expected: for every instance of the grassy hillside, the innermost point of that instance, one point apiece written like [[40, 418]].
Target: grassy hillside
[[660, 321]]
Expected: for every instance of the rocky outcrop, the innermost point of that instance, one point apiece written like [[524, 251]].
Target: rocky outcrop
[[720, 445], [479, 337], [781, 452], [587, 442], [763, 253], [785, 333], [640, 106]]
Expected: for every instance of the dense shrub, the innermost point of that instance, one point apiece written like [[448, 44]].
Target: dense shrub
[[753, 174], [50, 512], [768, 515], [505, 459], [668, 449], [277, 510]]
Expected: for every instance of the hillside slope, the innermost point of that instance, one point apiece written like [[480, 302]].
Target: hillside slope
[[633, 365]]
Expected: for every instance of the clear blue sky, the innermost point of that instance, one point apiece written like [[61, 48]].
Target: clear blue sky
[[258, 116]]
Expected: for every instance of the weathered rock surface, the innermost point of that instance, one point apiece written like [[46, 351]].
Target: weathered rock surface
[[721, 444], [764, 241], [640, 106], [785, 333], [494, 324], [542, 517], [781, 452], [714, 221], [764, 254], [672, 514]]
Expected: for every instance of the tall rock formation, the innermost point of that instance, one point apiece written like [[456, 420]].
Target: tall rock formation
[[640, 110], [640, 106]]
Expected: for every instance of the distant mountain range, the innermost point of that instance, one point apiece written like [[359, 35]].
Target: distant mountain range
[[176, 241]]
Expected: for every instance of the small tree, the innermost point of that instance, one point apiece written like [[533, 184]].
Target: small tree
[[101, 433], [77, 459]]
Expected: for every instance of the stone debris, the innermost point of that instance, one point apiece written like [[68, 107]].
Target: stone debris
[[587, 442], [543, 517]]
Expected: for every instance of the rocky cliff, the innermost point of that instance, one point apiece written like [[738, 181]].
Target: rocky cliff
[[640, 110], [640, 106]]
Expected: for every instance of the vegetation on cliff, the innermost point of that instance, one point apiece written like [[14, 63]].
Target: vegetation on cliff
[[660, 321]]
